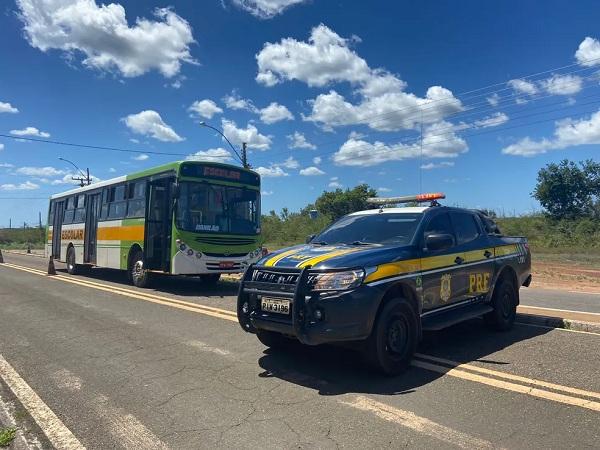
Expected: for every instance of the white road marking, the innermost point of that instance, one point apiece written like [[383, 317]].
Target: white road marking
[[208, 348], [420, 424], [555, 328], [130, 432], [54, 429], [560, 310], [584, 292]]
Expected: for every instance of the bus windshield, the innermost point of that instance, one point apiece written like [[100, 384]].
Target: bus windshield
[[204, 207]]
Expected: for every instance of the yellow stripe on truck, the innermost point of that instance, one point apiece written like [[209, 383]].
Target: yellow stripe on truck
[[275, 259], [318, 259], [506, 250]]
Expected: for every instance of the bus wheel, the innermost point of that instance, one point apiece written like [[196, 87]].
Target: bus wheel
[[72, 268], [210, 279], [394, 337], [140, 277]]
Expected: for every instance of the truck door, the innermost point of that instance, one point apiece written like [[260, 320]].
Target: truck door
[[91, 228], [59, 214], [479, 262], [442, 281]]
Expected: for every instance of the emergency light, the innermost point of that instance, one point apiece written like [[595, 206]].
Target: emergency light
[[431, 196]]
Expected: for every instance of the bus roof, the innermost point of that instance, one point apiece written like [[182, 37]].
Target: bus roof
[[172, 166]]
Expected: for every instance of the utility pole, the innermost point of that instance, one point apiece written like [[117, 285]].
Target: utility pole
[[9, 224], [244, 156], [40, 217]]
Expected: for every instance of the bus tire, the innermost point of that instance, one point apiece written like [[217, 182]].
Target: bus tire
[[273, 339], [72, 266], [210, 279], [140, 277], [504, 302], [394, 337]]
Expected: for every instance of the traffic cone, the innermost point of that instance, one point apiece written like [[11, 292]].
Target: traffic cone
[[51, 269], [1, 257]]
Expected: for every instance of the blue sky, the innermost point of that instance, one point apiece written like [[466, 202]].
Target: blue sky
[[326, 93]]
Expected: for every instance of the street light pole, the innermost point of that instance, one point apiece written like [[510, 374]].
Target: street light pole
[[242, 158], [85, 178]]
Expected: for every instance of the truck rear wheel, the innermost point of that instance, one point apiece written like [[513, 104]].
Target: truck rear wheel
[[272, 339], [504, 302], [394, 337]]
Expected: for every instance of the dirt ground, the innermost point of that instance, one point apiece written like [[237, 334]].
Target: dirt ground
[[565, 276]]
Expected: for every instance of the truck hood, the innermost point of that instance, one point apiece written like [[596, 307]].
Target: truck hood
[[335, 256]]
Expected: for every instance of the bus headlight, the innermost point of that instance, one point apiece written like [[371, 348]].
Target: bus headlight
[[338, 281]]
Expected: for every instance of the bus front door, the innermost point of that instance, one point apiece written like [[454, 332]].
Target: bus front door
[[57, 220], [157, 237], [91, 228]]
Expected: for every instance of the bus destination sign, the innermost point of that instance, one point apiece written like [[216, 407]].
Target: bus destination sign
[[219, 173]]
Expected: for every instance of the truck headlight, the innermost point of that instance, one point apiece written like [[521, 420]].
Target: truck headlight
[[338, 281]]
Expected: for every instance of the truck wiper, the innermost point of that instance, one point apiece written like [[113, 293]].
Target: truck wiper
[[361, 243], [319, 243]]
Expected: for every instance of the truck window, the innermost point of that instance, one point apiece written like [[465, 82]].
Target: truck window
[[440, 224], [466, 227]]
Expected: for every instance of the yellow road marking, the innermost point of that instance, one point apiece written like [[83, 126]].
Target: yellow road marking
[[509, 376], [422, 425], [528, 390], [454, 371]]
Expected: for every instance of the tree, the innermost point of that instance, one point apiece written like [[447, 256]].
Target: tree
[[567, 190], [338, 203]]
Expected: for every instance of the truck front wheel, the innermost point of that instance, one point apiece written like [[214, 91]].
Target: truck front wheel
[[504, 302], [394, 338]]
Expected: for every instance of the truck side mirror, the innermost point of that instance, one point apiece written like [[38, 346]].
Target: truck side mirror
[[438, 241], [310, 238]]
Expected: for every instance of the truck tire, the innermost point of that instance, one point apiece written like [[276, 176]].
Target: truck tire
[[72, 267], [272, 339], [504, 302], [140, 277], [394, 337]]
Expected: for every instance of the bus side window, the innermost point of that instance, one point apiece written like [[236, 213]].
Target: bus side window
[[105, 201], [136, 205], [70, 211], [79, 216], [51, 213], [118, 205]]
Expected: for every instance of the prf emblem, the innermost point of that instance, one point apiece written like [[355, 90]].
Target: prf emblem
[[446, 287], [479, 283]]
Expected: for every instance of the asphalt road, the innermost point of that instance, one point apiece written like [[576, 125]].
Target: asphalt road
[[119, 367]]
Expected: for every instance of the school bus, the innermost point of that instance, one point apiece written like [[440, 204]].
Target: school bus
[[182, 218]]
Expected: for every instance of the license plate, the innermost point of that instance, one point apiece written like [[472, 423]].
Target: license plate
[[275, 305], [226, 265]]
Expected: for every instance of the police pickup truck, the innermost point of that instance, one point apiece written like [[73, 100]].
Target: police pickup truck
[[378, 278]]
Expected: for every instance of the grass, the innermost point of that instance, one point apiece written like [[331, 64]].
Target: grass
[[7, 435]]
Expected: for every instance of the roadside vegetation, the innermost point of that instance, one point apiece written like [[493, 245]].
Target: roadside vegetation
[[19, 238], [7, 435]]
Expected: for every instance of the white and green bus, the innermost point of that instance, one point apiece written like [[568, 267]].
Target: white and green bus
[[182, 218]]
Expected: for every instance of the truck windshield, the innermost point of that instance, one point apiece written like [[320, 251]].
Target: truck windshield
[[384, 229], [204, 207]]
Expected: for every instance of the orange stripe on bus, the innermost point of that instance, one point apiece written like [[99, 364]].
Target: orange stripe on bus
[[126, 233]]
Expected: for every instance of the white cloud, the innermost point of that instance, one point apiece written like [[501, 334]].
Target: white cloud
[[491, 121], [383, 189], [493, 99], [335, 185], [275, 113], [523, 86], [266, 9], [266, 193], [271, 172], [235, 102], [141, 157], [104, 37], [289, 163], [317, 160], [438, 142], [112, 170], [431, 165], [213, 154], [149, 123], [567, 133], [249, 135], [1, 147], [135, 141], [588, 53], [46, 171], [562, 84], [27, 186], [298, 140], [30, 131], [326, 57], [311, 171], [7, 108], [204, 108]]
